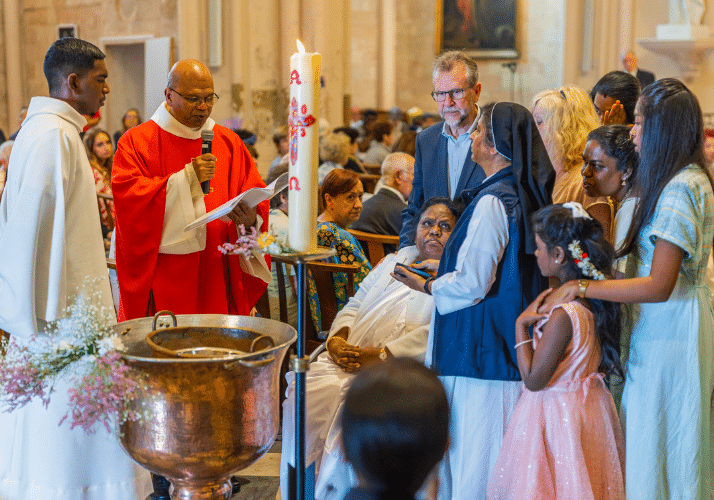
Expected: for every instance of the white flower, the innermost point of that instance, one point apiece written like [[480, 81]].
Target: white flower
[[118, 344], [64, 345], [104, 345]]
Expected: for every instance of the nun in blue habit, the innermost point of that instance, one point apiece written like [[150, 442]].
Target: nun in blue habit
[[487, 276]]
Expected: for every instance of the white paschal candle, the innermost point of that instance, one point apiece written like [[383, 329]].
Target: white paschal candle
[[304, 136]]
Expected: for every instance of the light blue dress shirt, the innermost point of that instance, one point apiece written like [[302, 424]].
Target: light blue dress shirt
[[457, 151]]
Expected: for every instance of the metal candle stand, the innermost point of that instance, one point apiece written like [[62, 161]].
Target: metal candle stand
[[300, 363]]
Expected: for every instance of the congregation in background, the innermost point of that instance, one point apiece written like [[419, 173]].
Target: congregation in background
[[547, 268]]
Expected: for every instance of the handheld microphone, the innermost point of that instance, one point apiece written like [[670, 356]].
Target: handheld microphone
[[206, 147]]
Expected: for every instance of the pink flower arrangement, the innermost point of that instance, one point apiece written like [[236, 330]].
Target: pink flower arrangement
[[102, 394], [82, 348], [248, 243], [244, 245]]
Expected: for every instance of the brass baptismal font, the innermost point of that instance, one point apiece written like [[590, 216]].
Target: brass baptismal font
[[211, 397]]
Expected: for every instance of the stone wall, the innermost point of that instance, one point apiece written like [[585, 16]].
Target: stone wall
[[540, 37], [647, 17], [549, 40], [95, 19]]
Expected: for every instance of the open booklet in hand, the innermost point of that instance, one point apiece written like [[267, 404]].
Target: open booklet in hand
[[251, 198]]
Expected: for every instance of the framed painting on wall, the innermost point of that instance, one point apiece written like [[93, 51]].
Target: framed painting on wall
[[485, 29], [67, 31]]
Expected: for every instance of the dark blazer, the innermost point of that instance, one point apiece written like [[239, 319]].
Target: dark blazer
[[645, 77], [382, 214], [431, 177]]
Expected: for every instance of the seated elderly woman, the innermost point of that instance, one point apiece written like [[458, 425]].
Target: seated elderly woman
[[335, 149], [341, 201], [385, 318]]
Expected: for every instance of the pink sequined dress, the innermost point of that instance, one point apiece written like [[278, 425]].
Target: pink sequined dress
[[565, 441]]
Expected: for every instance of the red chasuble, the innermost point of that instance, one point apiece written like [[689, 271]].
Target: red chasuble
[[204, 282]]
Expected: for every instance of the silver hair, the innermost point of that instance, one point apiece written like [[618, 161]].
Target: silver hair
[[395, 162], [335, 148], [447, 61]]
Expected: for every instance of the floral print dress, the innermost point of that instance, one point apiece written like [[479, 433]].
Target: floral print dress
[[106, 207], [349, 251]]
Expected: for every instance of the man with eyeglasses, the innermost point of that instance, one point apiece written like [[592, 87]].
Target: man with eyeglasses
[[443, 166], [157, 174]]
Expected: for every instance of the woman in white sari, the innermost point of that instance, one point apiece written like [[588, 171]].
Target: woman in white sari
[[385, 318]]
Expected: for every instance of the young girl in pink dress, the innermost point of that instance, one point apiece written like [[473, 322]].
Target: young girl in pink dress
[[564, 440]]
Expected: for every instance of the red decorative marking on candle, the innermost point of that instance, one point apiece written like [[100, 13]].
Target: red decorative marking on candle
[[297, 184], [295, 77], [297, 123]]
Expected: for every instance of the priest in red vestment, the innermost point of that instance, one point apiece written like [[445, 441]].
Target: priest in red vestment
[[158, 168]]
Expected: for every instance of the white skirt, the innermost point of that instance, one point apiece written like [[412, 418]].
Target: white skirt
[[41, 460], [480, 411]]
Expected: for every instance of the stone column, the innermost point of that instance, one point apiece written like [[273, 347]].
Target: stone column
[[192, 37], [322, 29], [13, 65]]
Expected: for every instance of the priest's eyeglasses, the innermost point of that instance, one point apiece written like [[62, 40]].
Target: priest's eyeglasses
[[455, 94], [196, 101]]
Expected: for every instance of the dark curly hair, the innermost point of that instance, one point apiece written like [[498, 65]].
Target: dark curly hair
[[616, 143], [557, 227]]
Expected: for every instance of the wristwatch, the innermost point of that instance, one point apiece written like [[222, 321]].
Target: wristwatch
[[383, 354], [583, 286]]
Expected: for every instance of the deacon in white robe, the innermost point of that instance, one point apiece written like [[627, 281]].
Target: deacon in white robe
[[52, 251]]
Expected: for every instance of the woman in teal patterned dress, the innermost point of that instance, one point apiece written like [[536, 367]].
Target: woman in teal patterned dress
[[341, 198], [667, 403]]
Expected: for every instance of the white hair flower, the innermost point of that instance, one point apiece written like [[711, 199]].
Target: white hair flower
[[583, 261]]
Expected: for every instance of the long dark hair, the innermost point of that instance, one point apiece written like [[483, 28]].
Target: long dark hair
[[557, 227], [672, 137]]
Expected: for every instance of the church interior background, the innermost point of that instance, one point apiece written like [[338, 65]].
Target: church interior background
[[375, 53]]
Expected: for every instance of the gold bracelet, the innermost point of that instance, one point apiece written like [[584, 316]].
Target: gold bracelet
[[583, 287]]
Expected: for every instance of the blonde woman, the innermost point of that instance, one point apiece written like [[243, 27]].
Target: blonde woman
[[564, 117]]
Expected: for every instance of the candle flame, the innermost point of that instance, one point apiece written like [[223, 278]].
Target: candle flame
[[300, 46]]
